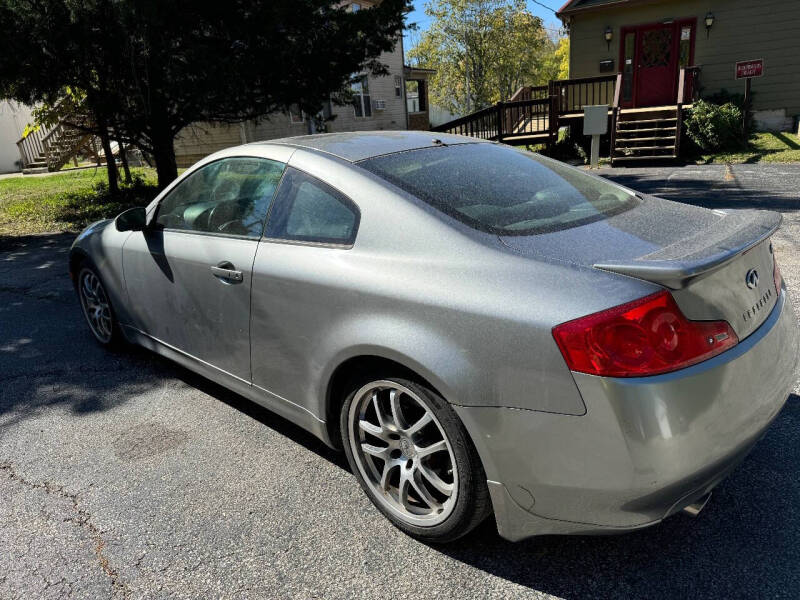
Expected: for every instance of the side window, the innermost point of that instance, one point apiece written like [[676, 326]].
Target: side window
[[308, 210], [230, 196]]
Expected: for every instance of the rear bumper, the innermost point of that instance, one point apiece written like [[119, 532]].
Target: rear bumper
[[646, 448]]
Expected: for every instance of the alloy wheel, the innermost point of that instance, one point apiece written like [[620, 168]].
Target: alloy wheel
[[403, 453], [95, 304]]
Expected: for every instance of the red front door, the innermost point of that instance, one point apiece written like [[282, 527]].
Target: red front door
[[656, 65]]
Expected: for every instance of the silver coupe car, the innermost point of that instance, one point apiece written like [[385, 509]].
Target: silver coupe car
[[481, 330]]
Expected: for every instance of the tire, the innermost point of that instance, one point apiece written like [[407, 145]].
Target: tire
[[420, 469], [96, 306]]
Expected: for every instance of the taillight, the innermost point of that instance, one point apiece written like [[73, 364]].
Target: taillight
[[644, 337], [776, 275]]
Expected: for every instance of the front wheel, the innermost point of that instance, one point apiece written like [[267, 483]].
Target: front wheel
[[413, 458], [96, 306]]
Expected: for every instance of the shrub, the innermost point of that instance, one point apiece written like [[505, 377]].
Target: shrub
[[713, 127]]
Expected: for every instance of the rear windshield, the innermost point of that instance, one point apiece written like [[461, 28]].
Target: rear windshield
[[500, 190]]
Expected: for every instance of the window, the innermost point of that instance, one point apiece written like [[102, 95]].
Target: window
[[684, 56], [398, 86], [307, 210], [500, 190], [415, 95], [354, 7], [656, 48], [229, 196], [361, 99], [627, 66]]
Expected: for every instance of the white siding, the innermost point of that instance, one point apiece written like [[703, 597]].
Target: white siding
[[13, 119], [200, 139]]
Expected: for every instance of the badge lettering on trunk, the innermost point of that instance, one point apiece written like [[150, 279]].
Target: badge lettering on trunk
[[751, 312]]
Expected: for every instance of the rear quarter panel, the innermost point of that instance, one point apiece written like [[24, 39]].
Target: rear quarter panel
[[453, 305]]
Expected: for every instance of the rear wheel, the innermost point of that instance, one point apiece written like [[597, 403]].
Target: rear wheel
[[96, 306], [413, 458]]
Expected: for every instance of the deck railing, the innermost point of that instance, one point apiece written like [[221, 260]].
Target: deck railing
[[533, 113], [531, 92], [520, 118], [484, 124], [32, 146], [574, 94]]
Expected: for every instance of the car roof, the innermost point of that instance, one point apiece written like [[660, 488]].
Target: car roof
[[359, 145]]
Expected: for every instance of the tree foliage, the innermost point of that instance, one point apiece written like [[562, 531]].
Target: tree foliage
[[482, 51], [148, 68], [555, 64]]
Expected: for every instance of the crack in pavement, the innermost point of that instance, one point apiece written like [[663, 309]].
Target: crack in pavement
[[83, 520]]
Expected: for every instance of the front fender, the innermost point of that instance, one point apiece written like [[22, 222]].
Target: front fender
[[101, 244]]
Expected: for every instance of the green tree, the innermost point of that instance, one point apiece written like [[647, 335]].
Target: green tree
[[556, 61], [482, 51], [148, 68]]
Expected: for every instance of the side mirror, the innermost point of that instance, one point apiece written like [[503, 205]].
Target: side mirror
[[133, 219]]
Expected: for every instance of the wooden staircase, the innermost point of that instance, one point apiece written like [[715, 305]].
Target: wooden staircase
[[50, 148], [647, 133], [654, 132]]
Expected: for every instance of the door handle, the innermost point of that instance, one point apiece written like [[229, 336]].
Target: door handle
[[227, 272]]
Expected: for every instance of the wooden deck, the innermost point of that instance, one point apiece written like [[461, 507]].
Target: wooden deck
[[534, 115]]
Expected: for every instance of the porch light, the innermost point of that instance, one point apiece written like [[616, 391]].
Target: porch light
[[608, 34], [709, 22]]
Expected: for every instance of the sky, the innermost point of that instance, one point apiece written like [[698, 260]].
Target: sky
[[551, 22]]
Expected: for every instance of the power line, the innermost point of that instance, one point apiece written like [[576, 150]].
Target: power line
[[553, 10]]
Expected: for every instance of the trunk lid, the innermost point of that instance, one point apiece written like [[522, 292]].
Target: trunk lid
[[717, 264]]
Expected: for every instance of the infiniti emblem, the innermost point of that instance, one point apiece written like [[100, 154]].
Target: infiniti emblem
[[751, 279], [406, 447]]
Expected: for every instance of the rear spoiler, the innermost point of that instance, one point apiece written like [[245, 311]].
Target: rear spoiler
[[675, 266]]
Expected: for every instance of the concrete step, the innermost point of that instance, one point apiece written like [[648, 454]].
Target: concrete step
[[34, 170]]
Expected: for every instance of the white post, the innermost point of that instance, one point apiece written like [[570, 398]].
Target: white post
[[594, 162]]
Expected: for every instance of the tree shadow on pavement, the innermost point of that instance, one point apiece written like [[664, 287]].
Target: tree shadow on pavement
[[47, 355], [266, 417]]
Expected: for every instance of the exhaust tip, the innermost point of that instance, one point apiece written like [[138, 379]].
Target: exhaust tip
[[695, 508]]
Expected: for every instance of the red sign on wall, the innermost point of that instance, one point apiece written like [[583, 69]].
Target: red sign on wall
[[749, 68]]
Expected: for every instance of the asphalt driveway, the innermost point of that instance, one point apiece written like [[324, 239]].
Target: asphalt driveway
[[123, 475]]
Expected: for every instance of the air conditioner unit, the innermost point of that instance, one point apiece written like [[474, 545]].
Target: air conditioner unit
[[380, 104]]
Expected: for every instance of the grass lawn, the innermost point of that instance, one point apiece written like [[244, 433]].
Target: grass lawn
[[67, 201], [761, 147]]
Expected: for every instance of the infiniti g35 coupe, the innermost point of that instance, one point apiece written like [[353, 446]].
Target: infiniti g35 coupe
[[480, 329]]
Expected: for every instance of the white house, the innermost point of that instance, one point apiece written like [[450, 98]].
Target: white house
[[13, 119]]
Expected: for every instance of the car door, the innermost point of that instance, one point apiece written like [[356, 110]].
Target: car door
[[310, 228], [188, 274]]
